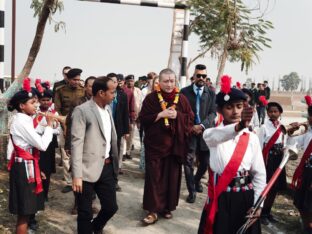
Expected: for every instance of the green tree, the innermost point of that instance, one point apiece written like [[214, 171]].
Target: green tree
[[290, 82], [229, 31], [44, 10]]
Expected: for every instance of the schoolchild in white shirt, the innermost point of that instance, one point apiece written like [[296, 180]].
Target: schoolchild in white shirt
[[272, 140], [302, 178], [25, 177], [237, 172]]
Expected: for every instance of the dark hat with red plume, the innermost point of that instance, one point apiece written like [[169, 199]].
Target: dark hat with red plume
[[21, 96], [238, 85], [228, 94]]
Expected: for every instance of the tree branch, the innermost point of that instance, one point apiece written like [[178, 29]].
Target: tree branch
[[199, 56]]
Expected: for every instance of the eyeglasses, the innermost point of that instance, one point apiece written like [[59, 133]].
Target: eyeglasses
[[201, 75]]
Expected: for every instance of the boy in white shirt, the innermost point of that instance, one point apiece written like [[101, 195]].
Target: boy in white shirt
[[272, 141], [237, 172]]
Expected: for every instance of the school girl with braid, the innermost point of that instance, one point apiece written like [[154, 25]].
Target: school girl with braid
[[25, 196]]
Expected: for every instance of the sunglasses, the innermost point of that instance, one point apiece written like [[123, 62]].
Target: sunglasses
[[201, 75]]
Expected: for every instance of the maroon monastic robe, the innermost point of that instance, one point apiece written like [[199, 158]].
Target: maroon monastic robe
[[165, 151]]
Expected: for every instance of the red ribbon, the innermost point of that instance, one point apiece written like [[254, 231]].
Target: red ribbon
[[224, 180], [271, 142], [27, 156], [297, 178]]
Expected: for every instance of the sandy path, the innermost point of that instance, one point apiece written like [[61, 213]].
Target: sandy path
[[57, 218]]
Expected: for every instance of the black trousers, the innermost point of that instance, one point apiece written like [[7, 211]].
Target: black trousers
[[46, 185], [191, 180], [106, 191], [232, 210]]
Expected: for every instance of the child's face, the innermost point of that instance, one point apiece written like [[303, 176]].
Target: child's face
[[232, 112], [45, 102], [29, 108], [273, 113]]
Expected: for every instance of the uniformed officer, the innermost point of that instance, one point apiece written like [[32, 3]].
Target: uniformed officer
[[61, 82], [63, 100], [67, 93]]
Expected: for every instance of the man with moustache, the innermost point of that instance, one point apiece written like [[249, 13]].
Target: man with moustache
[[63, 100], [88, 95], [94, 157], [202, 101]]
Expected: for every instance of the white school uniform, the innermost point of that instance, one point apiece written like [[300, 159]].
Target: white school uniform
[[222, 141]]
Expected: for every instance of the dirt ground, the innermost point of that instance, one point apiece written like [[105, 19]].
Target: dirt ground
[[56, 217]]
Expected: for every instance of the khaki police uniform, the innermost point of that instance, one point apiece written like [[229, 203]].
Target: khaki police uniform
[[63, 100]]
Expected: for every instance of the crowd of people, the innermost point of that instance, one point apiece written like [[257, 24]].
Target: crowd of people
[[235, 134]]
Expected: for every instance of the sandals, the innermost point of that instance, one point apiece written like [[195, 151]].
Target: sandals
[[151, 218], [166, 214]]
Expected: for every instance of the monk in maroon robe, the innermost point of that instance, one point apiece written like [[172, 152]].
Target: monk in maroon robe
[[165, 147]]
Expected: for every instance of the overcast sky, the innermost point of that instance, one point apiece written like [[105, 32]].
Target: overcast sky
[[102, 38]]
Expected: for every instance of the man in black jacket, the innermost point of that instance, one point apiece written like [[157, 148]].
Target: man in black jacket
[[202, 101], [260, 105], [267, 90], [120, 113]]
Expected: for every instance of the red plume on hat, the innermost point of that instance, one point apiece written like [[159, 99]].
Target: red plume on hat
[[226, 84], [263, 100], [238, 85], [308, 100], [39, 86], [26, 85]]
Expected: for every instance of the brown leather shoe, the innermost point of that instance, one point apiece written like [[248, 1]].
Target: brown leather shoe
[[166, 214], [151, 218]]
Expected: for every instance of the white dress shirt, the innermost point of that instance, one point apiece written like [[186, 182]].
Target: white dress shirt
[[195, 89], [222, 141], [266, 131], [254, 123], [144, 91], [302, 141], [137, 93], [25, 136], [107, 126]]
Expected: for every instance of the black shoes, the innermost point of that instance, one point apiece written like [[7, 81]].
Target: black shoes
[[128, 156], [118, 188], [272, 219], [266, 220], [98, 231], [67, 189], [33, 224], [199, 187], [191, 198]]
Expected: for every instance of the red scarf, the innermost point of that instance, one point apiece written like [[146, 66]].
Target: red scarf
[[297, 178], [224, 180], [271, 142], [27, 156], [168, 97]]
